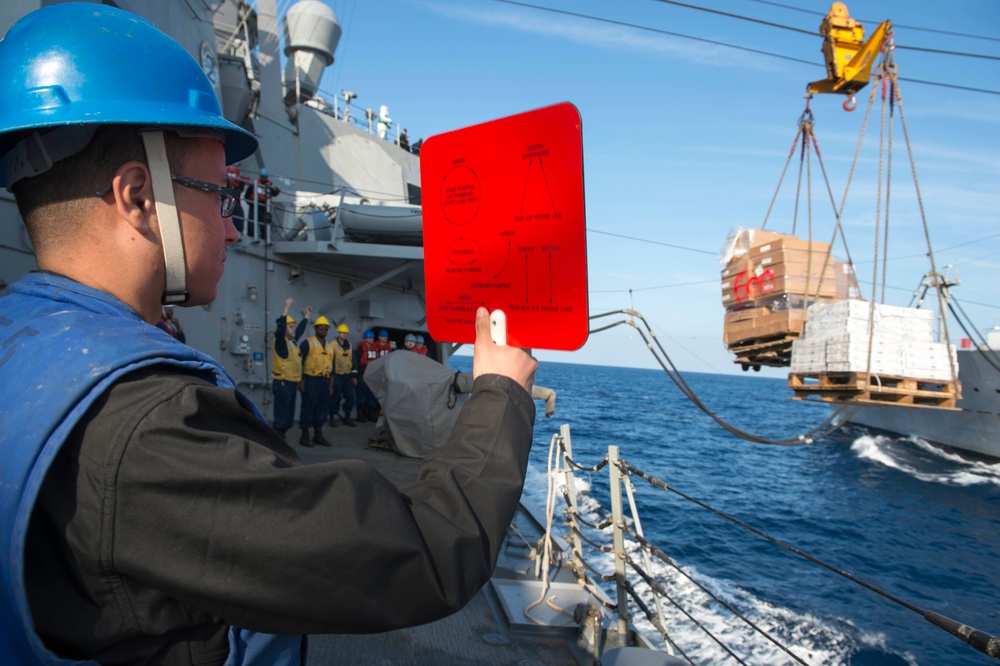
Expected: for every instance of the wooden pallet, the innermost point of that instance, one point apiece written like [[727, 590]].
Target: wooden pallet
[[870, 389], [774, 351]]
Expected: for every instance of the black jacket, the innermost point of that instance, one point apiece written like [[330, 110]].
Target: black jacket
[[172, 512]]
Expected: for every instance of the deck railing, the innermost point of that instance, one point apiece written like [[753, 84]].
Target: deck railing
[[634, 581]]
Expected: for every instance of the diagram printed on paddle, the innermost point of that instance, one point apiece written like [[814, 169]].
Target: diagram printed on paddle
[[504, 227]]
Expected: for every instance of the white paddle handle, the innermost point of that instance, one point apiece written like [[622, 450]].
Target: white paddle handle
[[498, 327]]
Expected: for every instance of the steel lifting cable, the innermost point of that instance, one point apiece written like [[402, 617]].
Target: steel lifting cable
[[837, 227], [809, 256], [888, 178], [880, 80], [806, 130], [980, 640], [806, 125], [675, 375], [923, 216], [788, 161], [838, 213]]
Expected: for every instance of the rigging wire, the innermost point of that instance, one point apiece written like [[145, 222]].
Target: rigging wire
[[651, 242], [898, 25], [656, 30], [636, 26], [662, 286], [946, 249], [812, 33]]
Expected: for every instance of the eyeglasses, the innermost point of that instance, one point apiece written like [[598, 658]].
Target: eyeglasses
[[230, 196]]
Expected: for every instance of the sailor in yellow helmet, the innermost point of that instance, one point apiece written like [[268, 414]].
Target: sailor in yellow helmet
[[286, 367], [317, 365], [345, 377]]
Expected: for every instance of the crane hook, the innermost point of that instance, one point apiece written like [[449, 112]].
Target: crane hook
[[851, 103]]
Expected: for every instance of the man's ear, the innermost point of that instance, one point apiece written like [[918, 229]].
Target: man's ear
[[132, 189]]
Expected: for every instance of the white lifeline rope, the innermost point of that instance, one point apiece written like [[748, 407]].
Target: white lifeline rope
[[175, 290], [550, 505]]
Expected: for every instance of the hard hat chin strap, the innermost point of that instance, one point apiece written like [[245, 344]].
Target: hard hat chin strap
[[36, 153], [171, 239]]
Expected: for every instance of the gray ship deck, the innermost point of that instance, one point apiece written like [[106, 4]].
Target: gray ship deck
[[482, 632]]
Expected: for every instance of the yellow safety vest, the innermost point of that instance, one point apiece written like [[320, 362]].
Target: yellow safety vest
[[287, 369], [319, 362], [343, 360]]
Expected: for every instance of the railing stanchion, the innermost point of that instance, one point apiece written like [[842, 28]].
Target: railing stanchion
[[618, 520], [646, 562], [574, 533]]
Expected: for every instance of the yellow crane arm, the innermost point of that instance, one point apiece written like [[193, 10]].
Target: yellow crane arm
[[849, 56]]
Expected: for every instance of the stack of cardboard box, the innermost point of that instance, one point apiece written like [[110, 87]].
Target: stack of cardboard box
[[902, 342], [769, 279]]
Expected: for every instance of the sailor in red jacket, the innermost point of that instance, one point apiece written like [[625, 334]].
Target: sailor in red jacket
[[384, 346], [236, 181], [262, 190], [366, 351]]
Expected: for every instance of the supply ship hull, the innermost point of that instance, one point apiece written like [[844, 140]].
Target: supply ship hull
[[974, 427]]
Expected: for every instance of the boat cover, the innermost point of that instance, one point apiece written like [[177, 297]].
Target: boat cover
[[420, 399]]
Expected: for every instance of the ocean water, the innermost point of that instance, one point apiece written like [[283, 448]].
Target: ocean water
[[907, 517]]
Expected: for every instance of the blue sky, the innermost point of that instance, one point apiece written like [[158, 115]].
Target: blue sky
[[685, 140]]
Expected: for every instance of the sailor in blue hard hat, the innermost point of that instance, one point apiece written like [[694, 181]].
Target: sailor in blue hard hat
[[147, 510], [67, 102], [384, 346], [410, 342], [114, 145]]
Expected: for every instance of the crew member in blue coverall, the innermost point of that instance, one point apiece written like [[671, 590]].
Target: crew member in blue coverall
[[148, 512]]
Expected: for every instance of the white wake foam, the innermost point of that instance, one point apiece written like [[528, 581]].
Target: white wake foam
[[814, 639], [944, 467]]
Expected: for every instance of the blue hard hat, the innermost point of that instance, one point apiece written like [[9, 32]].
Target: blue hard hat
[[369, 334], [62, 66], [264, 173], [384, 333], [420, 339], [410, 338]]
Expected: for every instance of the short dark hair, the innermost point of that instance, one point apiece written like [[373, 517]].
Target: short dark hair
[[49, 202]]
